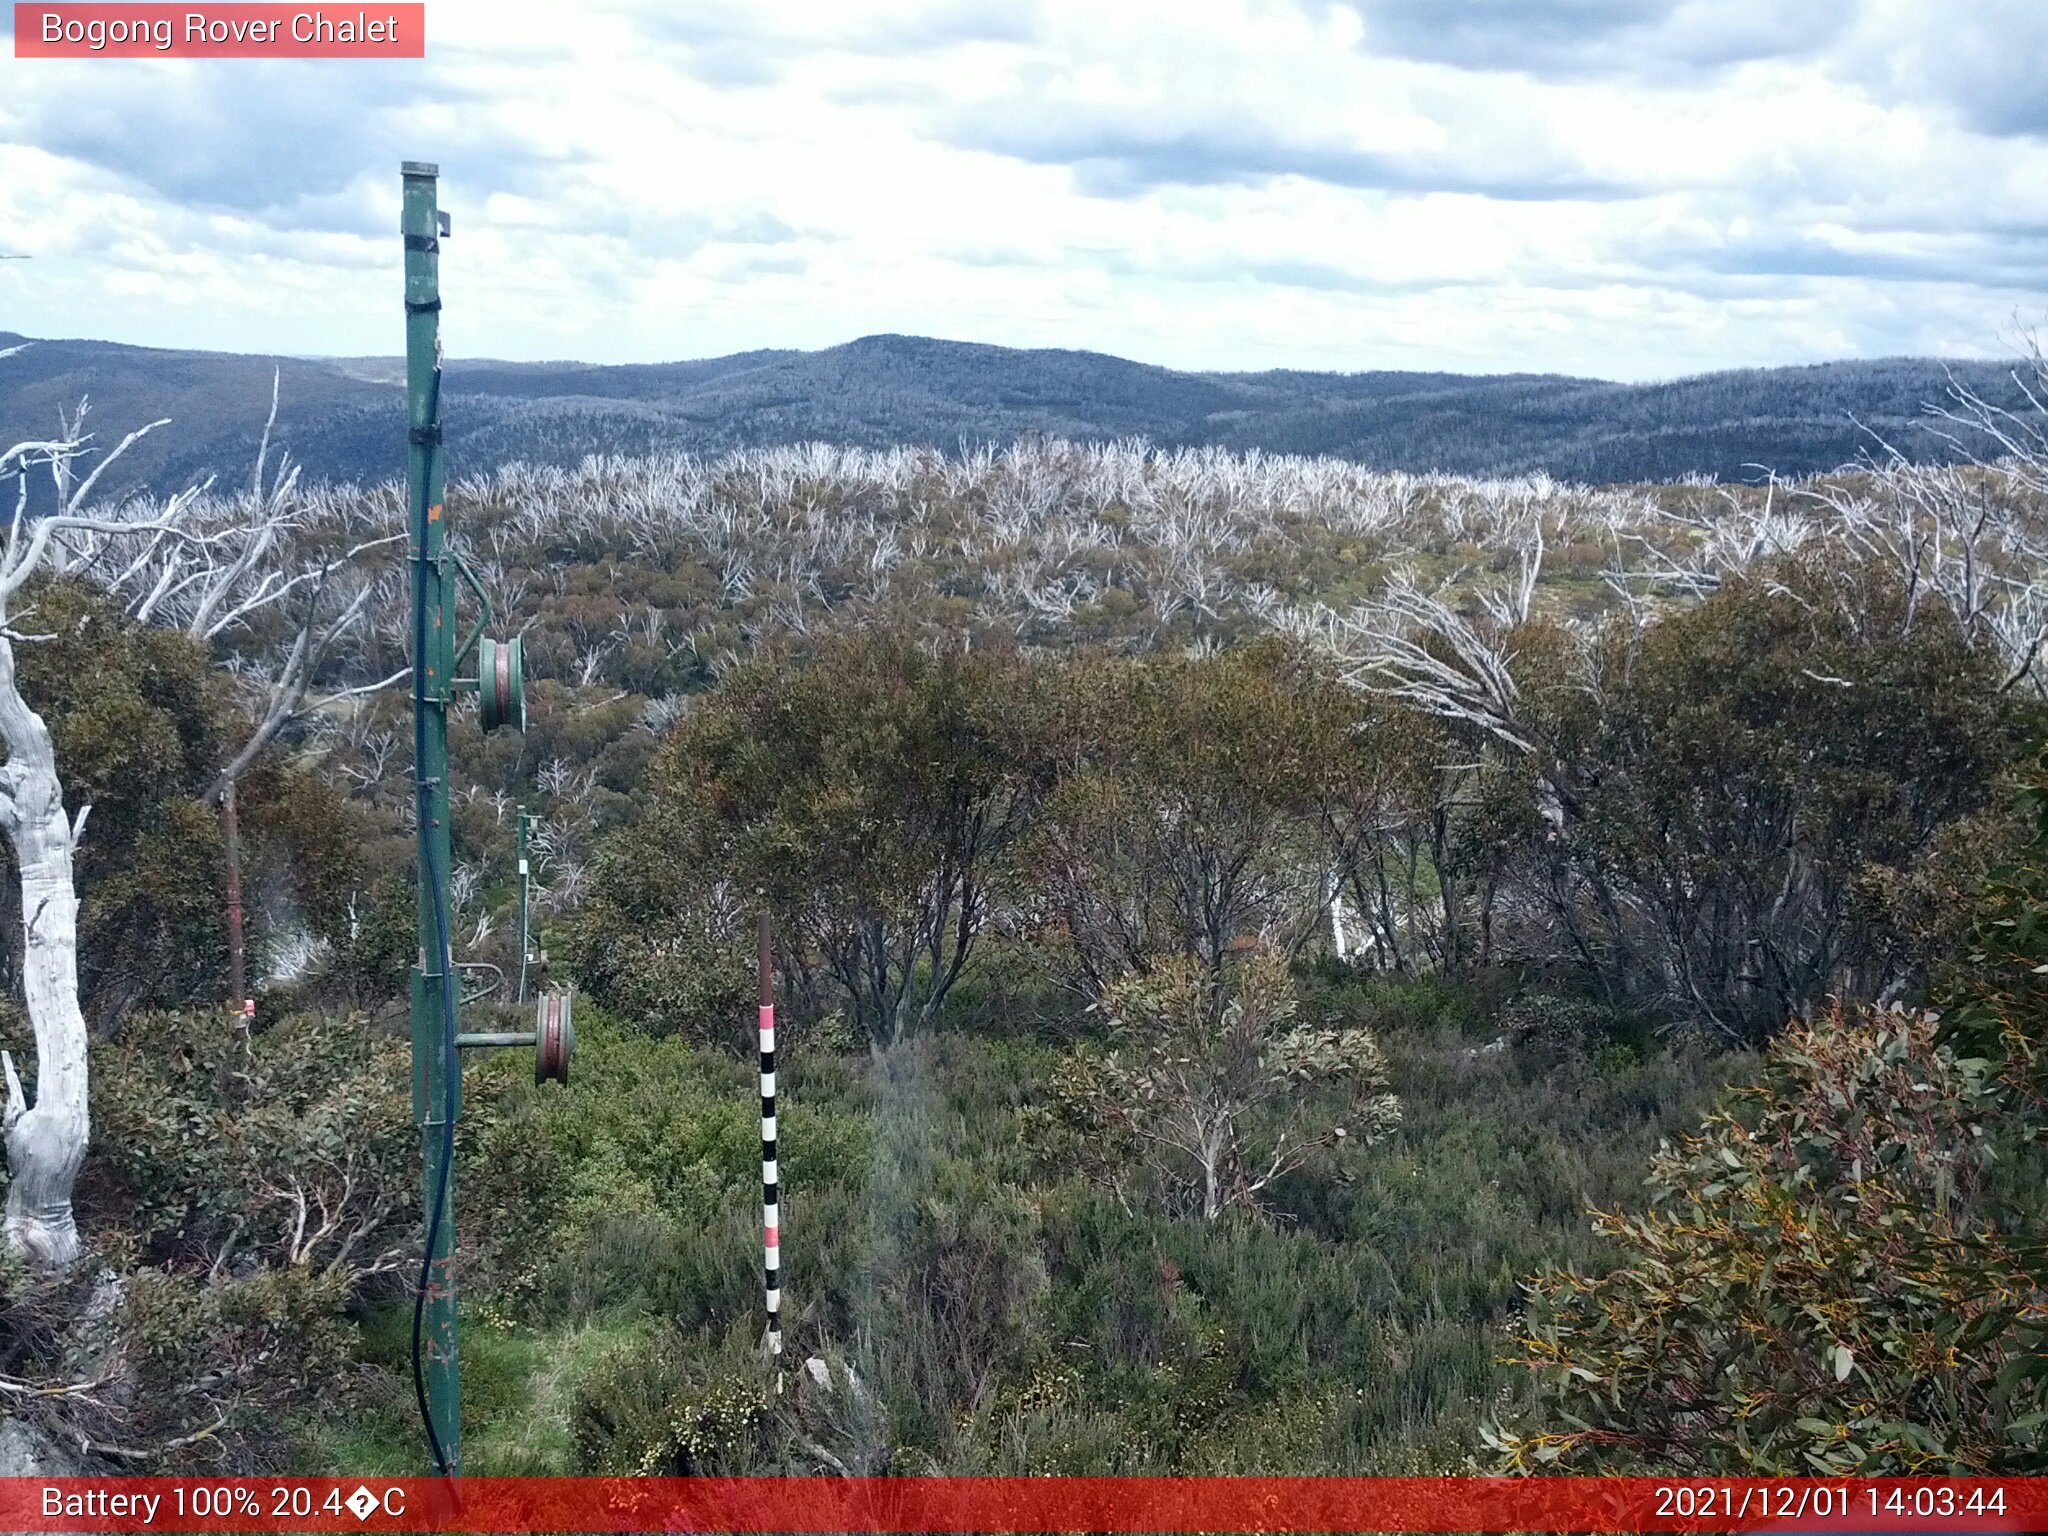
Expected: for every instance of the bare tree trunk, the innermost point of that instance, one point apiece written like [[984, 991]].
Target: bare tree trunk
[[46, 1142], [229, 830], [1212, 1184]]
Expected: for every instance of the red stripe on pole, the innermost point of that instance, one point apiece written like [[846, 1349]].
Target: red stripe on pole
[[771, 1209], [1023, 1504]]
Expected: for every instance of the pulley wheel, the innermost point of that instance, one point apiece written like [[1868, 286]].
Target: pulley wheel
[[554, 1039], [501, 683]]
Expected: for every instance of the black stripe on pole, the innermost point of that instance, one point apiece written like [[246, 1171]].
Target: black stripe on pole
[[771, 1207]]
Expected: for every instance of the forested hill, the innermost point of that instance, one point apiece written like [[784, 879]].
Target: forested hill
[[341, 417]]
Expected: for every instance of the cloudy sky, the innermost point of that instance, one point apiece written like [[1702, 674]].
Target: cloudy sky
[[1628, 188]]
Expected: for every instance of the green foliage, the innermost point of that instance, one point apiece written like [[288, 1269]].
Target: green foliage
[[1184, 816], [656, 940], [1213, 1083], [949, 838], [1997, 992], [637, 1190], [244, 1193], [1373, 1318], [230, 1355], [1421, 828], [862, 794], [520, 1386], [138, 722], [290, 1148], [1742, 769], [665, 1411], [141, 721], [999, 1311], [375, 945], [310, 860], [1820, 1284]]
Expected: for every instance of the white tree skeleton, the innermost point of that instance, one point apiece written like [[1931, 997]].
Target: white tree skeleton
[[46, 1140], [189, 559]]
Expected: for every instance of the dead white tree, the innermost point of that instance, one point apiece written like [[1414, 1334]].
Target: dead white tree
[[1417, 646], [1972, 536], [249, 570], [257, 562], [46, 1140]]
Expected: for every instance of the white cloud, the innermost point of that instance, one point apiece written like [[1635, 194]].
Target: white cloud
[[1630, 189]]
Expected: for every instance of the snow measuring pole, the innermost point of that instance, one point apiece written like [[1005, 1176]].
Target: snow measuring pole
[[438, 571]]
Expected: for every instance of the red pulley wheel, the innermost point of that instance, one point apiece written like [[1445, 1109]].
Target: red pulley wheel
[[554, 1038], [501, 684]]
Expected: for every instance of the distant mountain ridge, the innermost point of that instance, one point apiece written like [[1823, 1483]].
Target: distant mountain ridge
[[343, 417]]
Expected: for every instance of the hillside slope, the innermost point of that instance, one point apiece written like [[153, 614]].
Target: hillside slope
[[341, 416]]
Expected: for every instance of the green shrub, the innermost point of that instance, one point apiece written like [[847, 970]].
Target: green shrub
[[1213, 1084], [663, 1408], [239, 1349], [864, 793], [1745, 770], [1818, 1286], [1998, 1004], [290, 1147]]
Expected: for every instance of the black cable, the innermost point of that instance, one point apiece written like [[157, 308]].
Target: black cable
[[424, 795]]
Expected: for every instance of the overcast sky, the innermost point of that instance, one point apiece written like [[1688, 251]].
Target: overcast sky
[[1628, 188]]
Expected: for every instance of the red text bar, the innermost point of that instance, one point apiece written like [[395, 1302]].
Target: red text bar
[[236, 31], [1024, 1504]]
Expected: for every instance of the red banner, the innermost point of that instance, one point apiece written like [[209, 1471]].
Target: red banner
[[215, 31], [1023, 1504]]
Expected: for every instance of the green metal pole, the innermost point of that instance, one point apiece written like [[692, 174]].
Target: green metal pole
[[436, 1069]]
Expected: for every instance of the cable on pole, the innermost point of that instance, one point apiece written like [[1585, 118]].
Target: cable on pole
[[423, 787]]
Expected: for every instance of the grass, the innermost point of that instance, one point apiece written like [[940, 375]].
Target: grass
[[1006, 1314], [519, 1388]]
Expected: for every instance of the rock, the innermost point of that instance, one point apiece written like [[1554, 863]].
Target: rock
[[26, 1452]]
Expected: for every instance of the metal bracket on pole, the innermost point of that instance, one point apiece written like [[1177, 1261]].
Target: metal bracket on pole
[[483, 599], [500, 681], [553, 1038]]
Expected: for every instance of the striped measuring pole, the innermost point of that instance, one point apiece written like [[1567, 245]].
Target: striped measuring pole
[[771, 1206]]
